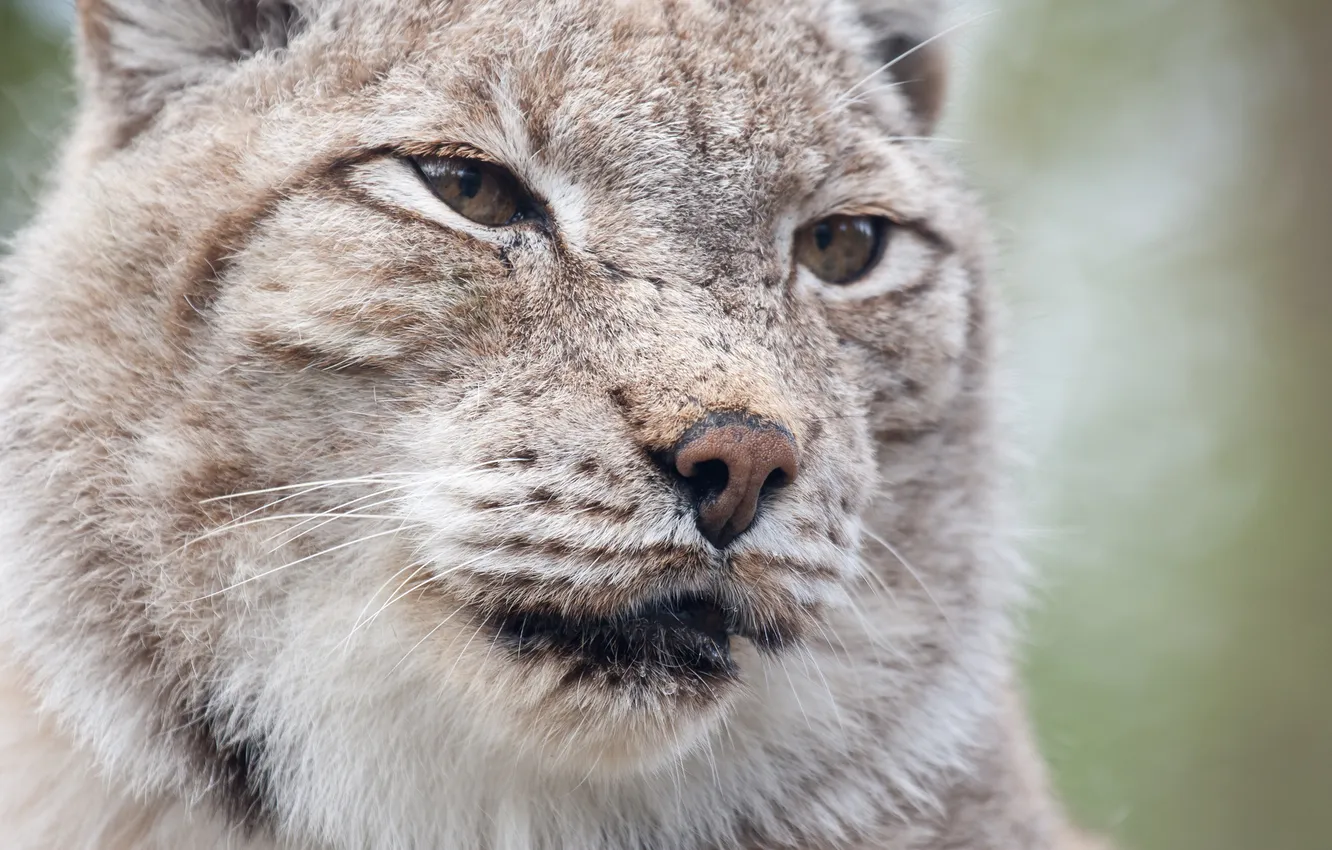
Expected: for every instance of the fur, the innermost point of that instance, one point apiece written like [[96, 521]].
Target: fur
[[283, 435]]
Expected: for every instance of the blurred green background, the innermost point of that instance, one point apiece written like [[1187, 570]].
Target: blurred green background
[[1160, 173]]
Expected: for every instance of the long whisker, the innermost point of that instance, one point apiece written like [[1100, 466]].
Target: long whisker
[[235, 521], [310, 486], [876, 641], [337, 513], [414, 566], [795, 692], [303, 487], [832, 698], [427, 637], [458, 660], [248, 519], [914, 49], [397, 480], [829, 635], [302, 560], [943, 140], [915, 575], [880, 586], [434, 579]]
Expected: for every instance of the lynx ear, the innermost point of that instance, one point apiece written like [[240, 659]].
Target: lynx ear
[[905, 37], [137, 53]]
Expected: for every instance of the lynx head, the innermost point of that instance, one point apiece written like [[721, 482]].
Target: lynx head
[[409, 392]]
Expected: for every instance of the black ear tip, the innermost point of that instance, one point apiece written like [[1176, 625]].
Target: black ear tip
[[920, 68], [907, 40], [269, 24], [179, 41]]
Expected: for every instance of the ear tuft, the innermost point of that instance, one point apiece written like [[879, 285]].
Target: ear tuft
[[905, 33], [138, 53]]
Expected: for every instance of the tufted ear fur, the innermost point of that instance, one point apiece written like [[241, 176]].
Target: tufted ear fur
[[137, 53], [906, 33]]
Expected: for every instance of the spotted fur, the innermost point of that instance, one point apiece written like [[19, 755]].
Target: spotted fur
[[300, 466]]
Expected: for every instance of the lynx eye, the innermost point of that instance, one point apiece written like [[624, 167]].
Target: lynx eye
[[481, 191], [842, 249]]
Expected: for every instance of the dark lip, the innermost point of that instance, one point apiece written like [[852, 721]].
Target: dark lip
[[683, 634]]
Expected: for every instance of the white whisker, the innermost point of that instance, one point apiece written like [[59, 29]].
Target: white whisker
[[238, 520], [333, 514], [795, 692], [279, 518], [414, 566], [423, 639], [302, 560], [434, 579], [914, 49], [311, 486], [915, 575]]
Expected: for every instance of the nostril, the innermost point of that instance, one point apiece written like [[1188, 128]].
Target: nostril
[[709, 480], [776, 480]]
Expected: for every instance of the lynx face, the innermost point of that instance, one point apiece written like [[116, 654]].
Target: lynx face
[[426, 379]]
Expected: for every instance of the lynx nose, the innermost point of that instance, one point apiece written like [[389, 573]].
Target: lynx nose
[[729, 460]]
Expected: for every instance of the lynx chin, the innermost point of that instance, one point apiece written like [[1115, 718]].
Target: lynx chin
[[565, 425]]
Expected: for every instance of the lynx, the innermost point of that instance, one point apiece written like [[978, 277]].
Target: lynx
[[507, 424]]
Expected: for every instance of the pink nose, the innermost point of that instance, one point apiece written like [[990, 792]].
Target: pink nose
[[730, 460]]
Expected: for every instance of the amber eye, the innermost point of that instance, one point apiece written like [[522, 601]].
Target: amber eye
[[842, 248], [481, 191]]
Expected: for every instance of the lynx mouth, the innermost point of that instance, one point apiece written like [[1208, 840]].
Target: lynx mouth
[[683, 635]]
